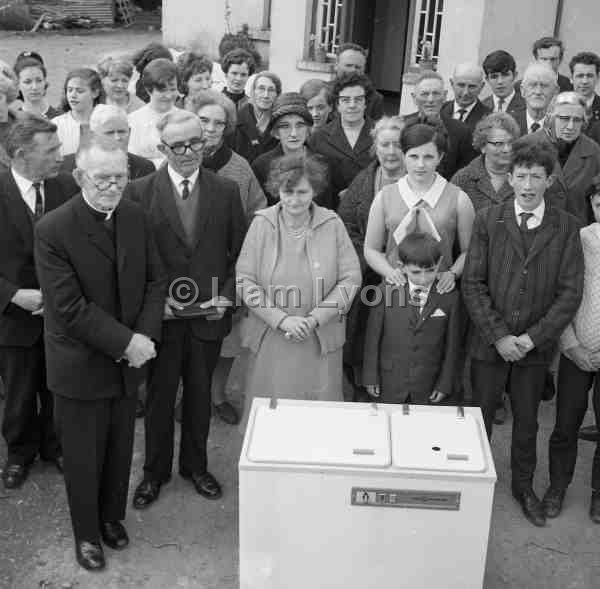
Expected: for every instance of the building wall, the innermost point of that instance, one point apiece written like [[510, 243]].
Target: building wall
[[202, 22], [579, 27], [514, 25]]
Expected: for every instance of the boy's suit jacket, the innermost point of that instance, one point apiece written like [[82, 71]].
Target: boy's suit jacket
[[406, 354]]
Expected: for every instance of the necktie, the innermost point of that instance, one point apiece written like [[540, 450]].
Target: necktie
[[524, 218], [39, 201], [185, 193], [416, 300], [534, 127], [501, 102], [461, 114]]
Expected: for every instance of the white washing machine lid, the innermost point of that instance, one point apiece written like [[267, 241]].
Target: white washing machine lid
[[315, 435], [424, 439]]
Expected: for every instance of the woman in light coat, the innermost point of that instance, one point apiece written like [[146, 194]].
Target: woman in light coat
[[297, 273]]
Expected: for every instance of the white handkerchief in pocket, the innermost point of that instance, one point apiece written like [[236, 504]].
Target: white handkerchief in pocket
[[438, 313]]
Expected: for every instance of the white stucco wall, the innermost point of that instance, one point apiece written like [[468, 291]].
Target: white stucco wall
[[201, 23]]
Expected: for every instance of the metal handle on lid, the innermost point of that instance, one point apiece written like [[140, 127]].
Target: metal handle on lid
[[273, 402], [405, 409], [460, 412]]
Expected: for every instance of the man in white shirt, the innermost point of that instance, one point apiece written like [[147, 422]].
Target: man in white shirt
[[28, 190], [585, 71], [501, 73], [539, 87], [467, 83]]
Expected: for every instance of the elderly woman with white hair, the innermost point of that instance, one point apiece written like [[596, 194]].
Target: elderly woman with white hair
[[111, 121], [578, 160], [116, 73]]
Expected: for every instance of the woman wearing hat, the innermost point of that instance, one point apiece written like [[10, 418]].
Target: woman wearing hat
[[291, 124], [252, 137]]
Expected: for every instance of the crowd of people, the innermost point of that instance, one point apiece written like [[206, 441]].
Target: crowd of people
[[159, 225]]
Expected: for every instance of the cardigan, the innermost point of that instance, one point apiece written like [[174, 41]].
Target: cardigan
[[510, 292], [334, 266], [585, 327]]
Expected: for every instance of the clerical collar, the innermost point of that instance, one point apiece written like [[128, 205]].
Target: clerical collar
[[106, 215]]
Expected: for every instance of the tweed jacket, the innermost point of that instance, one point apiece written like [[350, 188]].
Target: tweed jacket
[[575, 179], [477, 113], [333, 262], [510, 292], [475, 181], [408, 354]]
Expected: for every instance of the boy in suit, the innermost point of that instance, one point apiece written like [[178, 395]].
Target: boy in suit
[[413, 332], [522, 285]]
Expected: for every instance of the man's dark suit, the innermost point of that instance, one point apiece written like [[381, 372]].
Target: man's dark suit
[[411, 354], [101, 285], [190, 347], [27, 432], [137, 165], [517, 104], [477, 113], [460, 144], [509, 290]]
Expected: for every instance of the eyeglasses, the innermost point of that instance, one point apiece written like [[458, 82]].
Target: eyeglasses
[[345, 100], [196, 146], [499, 144], [105, 182], [565, 120]]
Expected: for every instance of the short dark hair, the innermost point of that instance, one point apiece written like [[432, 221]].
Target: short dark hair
[[313, 87], [548, 43], [92, 79], [288, 170], [420, 249], [592, 192], [157, 74], [237, 57], [348, 79], [499, 62], [585, 58], [529, 152], [351, 47], [189, 64], [419, 134], [23, 131]]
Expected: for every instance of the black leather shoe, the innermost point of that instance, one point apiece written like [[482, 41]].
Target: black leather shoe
[[114, 535], [532, 507], [205, 484], [553, 501], [90, 555], [14, 475], [595, 508], [146, 493], [226, 412]]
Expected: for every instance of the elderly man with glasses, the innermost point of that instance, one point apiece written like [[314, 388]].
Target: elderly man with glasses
[[200, 225], [104, 292]]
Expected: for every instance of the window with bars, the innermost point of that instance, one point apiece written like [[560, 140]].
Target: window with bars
[[327, 28], [427, 30]]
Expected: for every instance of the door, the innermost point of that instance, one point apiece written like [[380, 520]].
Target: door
[[388, 44]]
